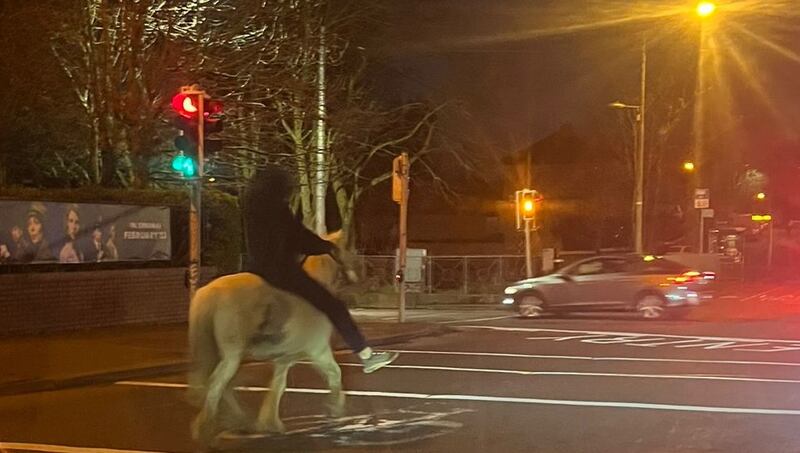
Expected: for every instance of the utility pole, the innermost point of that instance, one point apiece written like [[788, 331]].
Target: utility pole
[[400, 171], [320, 180], [639, 208]]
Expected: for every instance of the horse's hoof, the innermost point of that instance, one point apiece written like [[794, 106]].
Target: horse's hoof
[[335, 410], [274, 426]]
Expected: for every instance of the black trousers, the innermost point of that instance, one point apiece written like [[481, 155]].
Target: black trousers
[[301, 284]]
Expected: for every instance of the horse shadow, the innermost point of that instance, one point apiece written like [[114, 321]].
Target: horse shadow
[[381, 429]]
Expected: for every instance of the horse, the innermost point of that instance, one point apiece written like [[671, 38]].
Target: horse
[[240, 316]]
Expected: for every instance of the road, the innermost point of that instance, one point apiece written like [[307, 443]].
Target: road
[[579, 383]]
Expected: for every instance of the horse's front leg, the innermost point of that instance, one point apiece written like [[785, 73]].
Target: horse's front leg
[[325, 363], [204, 426], [231, 413], [269, 419]]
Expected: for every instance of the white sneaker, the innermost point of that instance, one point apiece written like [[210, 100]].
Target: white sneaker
[[378, 360]]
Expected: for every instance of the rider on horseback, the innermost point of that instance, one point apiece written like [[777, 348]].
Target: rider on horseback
[[276, 244]]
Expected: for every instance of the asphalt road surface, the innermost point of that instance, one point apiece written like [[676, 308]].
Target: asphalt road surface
[[574, 384]]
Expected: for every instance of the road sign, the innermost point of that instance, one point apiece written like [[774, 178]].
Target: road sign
[[707, 213], [702, 198]]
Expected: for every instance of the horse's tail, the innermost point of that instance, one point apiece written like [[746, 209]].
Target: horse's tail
[[203, 351]]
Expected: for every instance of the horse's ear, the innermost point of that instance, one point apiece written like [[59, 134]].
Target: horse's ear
[[335, 237]]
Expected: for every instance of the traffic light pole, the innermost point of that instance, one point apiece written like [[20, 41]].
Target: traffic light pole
[[400, 195], [196, 202], [528, 254]]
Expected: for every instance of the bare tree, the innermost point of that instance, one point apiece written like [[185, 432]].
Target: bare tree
[[116, 57]]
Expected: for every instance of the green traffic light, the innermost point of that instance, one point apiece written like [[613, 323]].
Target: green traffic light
[[188, 167], [177, 162], [184, 165]]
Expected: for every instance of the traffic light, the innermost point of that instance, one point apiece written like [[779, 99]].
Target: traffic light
[[185, 165], [187, 105], [527, 205]]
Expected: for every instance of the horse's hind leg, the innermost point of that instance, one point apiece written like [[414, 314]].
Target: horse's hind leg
[[269, 419], [325, 363]]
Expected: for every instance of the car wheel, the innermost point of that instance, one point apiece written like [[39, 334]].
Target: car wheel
[[650, 306], [530, 306]]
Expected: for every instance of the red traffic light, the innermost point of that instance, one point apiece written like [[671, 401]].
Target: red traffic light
[[185, 105]]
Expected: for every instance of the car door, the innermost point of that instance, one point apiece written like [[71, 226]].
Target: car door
[[597, 283]]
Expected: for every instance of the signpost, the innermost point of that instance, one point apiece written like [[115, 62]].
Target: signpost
[[702, 201]]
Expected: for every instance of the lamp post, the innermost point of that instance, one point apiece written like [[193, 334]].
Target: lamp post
[[638, 190], [703, 10]]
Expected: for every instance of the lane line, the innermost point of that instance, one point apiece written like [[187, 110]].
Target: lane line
[[590, 358], [63, 448], [506, 399], [582, 373], [763, 293], [632, 334], [477, 319]]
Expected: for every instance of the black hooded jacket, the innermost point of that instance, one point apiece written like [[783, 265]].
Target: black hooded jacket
[[276, 240]]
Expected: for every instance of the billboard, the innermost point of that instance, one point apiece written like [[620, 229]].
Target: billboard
[[50, 232]]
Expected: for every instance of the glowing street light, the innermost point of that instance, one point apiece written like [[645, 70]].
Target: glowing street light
[[705, 9], [761, 196], [688, 167]]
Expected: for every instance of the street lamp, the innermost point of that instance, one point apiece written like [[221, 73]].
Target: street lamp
[[761, 196], [688, 167], [705, 9], [638, 190]]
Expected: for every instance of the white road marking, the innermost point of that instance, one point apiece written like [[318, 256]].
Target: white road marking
[[631, 334], [507, 399], [763, 293], [494, 318], [63, 448], [702, 377], [590, 358]]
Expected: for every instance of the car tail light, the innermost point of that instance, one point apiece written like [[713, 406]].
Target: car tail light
[[693, 276]]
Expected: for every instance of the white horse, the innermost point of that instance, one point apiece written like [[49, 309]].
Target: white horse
[[240, 316]]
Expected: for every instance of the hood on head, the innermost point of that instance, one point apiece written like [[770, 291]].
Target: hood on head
[[271, 184]]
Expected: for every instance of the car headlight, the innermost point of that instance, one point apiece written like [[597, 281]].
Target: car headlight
[[511, 290], [508, 301]]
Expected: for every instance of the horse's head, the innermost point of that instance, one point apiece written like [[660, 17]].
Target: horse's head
[[326, 270]]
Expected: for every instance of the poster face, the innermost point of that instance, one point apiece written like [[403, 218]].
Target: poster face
[[50, 232]]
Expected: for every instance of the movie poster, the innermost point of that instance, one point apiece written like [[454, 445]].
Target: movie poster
[[48, 232]]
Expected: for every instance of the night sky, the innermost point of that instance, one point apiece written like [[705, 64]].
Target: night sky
[[523, 68]]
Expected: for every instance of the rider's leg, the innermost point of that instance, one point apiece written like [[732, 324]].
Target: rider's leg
[[336, 311]]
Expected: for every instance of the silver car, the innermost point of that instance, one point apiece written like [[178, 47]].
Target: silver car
[[651, 286]]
